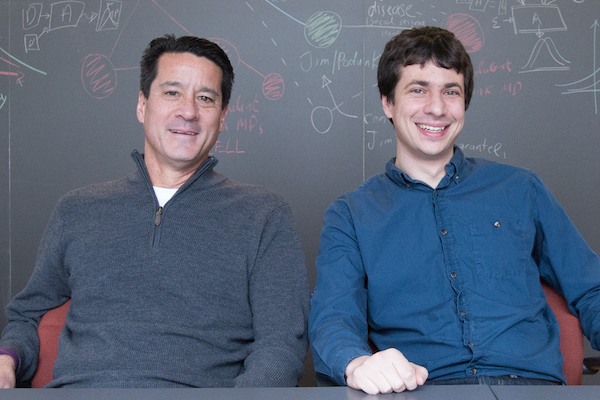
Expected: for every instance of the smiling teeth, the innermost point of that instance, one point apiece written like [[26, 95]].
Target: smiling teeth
[[184, 133], [431, 128]]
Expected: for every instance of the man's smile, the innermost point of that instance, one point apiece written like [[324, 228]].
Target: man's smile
[[432, 129], [183, 132]]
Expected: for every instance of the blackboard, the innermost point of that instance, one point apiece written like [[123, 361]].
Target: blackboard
[[305, 118]]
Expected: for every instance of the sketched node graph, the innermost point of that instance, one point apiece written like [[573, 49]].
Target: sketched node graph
[[98, 74], [273, 85]]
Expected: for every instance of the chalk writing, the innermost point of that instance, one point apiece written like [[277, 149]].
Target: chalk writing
[[338, 61], [321, 117], [376, 142], [512, 88], [383, 15], [495, 150], [400, 10], [489, 68], [228, 147], [248, 119], [67, 14], [3, 99]]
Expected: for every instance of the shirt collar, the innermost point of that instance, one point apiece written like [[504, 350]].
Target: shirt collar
[[456, 171]]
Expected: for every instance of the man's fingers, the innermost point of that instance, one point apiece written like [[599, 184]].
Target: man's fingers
[[384, 372], [421, 373]]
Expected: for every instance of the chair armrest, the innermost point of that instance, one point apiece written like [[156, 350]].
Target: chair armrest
[[591, 365]]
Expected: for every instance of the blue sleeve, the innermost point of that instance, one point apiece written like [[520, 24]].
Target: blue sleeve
[[567, 262], [338, 329]]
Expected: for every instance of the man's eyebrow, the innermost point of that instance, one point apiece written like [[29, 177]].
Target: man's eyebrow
[[204, 89], [420, 83], [448, 85], [452, 84]]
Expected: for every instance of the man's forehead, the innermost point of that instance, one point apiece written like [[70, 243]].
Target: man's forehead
[[414, 69], [177, 68]]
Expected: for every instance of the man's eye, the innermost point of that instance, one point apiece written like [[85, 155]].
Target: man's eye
[[417, 90], [171, 93], [204, 98]]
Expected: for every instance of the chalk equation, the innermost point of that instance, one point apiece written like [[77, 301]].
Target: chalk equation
[[67, 14], [590, 83], [540, 19]]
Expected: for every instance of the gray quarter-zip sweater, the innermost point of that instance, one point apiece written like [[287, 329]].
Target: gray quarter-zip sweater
[[208, 291]]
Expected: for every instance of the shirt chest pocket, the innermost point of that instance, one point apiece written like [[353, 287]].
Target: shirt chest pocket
[[499, 247]]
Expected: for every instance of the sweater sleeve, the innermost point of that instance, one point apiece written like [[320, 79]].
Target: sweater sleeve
[[279, 299], [47, 288]]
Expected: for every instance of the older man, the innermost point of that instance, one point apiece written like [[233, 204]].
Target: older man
[[177, 275]]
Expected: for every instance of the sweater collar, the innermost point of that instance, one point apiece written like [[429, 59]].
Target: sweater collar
[[202, 169]]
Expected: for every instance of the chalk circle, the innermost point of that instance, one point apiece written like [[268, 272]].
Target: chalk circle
[[467, 30], [229, 49], [322, 119], [98, 76], [273, 86], [322, 29]]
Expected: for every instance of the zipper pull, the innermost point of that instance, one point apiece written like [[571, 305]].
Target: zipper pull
[[157, 216]]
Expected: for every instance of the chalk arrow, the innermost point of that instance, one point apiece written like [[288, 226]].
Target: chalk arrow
[[326, 82]]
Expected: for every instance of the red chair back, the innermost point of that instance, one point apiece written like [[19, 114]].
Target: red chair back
[[49, 330], [571, 336]]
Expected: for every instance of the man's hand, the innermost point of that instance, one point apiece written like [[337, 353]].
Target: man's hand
[[7, 372], [384, 372]]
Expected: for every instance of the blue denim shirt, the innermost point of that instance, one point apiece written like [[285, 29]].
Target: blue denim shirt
[[451, 276]]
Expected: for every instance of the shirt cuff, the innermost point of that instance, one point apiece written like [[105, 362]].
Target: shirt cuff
[[13, 354]]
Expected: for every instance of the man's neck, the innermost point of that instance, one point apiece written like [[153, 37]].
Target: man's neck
[[430, 172], [167, 176]]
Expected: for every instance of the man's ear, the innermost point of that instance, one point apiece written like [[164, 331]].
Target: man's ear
[[141, 107], [222, 118], [387, 106]]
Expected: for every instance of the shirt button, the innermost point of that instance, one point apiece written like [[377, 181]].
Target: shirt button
[[408, 186], [474, 371], [456, 177], [463, 313], [497, 224], [453, 275], [444, 232], [471, 344], [435, 193]]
